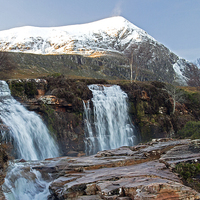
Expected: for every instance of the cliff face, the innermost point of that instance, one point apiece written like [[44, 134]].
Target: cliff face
[[60, 102]]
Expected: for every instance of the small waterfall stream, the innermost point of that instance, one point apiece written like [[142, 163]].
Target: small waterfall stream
[[32, 141], [108, 126]]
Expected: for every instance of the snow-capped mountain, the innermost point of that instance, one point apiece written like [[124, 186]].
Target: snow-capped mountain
[[113, 36]]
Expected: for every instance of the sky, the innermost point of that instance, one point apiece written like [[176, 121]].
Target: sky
[[174, 23]]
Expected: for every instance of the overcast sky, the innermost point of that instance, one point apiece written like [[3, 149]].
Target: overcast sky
[[175, 23]]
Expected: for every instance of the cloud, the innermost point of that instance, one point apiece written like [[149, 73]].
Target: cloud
[[117, 9]]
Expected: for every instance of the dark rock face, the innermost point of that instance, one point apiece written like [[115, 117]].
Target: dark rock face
[[3, 165]]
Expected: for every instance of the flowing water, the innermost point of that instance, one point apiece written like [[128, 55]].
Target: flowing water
[[107, 126], [31, 141]]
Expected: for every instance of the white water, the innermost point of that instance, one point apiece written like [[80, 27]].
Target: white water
[[24, 183], [110, 126], [32, 141]]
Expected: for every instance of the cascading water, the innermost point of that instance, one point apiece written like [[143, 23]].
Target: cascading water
[[26, 128], [31, 141], [110, 126]]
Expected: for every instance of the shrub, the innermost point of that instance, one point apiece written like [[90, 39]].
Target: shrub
[[30, 89], [189, 173], [190, 130]]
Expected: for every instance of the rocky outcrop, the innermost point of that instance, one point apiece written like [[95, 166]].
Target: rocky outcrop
[[140, 172]]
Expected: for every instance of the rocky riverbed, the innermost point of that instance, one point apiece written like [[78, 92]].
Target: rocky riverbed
[[145, 171]]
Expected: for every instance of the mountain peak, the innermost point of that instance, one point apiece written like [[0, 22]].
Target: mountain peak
[[112, 34]]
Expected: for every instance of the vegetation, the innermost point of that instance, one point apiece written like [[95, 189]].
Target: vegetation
[[22, 88], [190, 130], [190, 174]]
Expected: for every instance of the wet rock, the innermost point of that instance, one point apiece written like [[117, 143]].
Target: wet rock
[[73, 153], [184, 153], [22, 160], [149, 180], [91, 189], [140, 172]]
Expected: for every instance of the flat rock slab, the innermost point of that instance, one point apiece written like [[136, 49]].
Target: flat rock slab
[[149, 180], [139, 172]]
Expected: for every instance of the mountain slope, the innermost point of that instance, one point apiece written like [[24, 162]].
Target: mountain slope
[[112, 37]]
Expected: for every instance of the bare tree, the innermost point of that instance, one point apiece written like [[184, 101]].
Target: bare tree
[[6, 65], [133, 62], [131, 66], [175, 95]]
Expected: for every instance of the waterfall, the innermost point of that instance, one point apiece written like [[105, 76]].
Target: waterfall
[[31, 141], [108, 126], [27, 130]]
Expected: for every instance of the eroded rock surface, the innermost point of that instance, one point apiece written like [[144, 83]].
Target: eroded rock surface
[[140, 172]]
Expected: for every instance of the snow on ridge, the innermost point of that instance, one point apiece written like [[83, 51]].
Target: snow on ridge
[[102, 35], [179, 68]]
